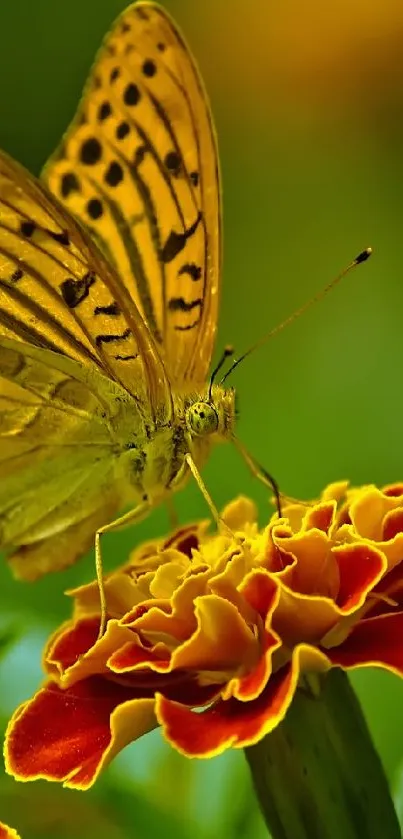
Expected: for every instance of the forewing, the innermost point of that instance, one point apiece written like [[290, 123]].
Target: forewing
[[58, 291], [138, 166]]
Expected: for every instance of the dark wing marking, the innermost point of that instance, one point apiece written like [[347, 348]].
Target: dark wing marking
[[53, 278], [139, 167]]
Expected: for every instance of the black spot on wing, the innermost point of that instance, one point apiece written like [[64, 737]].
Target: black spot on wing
[[173, 163], [74, 291], [69, 183], [188, 327], [149, 68], [91, 151], [114, 174], [16, 275], [139, 156], [122, 130], [192, 270], [115, 73], [94, 208], [177, 241], [131, 95], [63, 237], [27, 228], [109, 339], [111, 309], [179, 304], [104, 111]]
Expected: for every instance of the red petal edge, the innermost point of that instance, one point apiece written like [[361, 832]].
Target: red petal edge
[[68, 735], [377, 641], [227, 723]]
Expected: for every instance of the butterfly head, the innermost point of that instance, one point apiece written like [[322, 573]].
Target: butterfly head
[[215, 415]]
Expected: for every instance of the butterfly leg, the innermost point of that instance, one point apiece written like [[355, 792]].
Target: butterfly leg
[[128, 518], [205, 493], [260, 473]]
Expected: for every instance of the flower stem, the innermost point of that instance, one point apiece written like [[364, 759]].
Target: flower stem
[[318, 775]]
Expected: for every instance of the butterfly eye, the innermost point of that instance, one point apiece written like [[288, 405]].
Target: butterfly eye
[[202, 418]]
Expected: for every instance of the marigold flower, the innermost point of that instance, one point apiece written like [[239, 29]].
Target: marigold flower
[[7, 832], [208, 636]]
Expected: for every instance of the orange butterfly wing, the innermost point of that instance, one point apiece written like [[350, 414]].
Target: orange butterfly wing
[[138, 167], [57, 291]]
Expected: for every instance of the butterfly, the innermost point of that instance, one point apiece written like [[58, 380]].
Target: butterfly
[[109, 296]]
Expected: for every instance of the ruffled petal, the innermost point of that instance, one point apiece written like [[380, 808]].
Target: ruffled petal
[[70, 735], [222, 640], [208, 634], [375, 642], [361, 567], [75, 652], [232, 723]]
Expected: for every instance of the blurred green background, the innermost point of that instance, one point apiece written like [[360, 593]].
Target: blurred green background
[[308, 102]]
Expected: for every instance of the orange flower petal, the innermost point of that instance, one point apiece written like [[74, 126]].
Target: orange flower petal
[[239, 513], [228, 723], [70, 735], [209, 634], [320, 516], [393, 490], [8, 832], [222, 640], [387, 595], [250, 686], [175, 618], [70, 642], [316, 570], [361, 567], [335, 491], [368, 509], [76, 653], [393, 524], [262, 594], [132, 656], [120, 593], [232, 723], [261, 591], [375, 642]]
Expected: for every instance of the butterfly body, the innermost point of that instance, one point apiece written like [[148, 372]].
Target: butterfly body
[[152, 464], [101, 462], [110, 271]]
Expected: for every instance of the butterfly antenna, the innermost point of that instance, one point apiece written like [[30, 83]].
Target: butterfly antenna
[[362, 257], [228, 351]]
